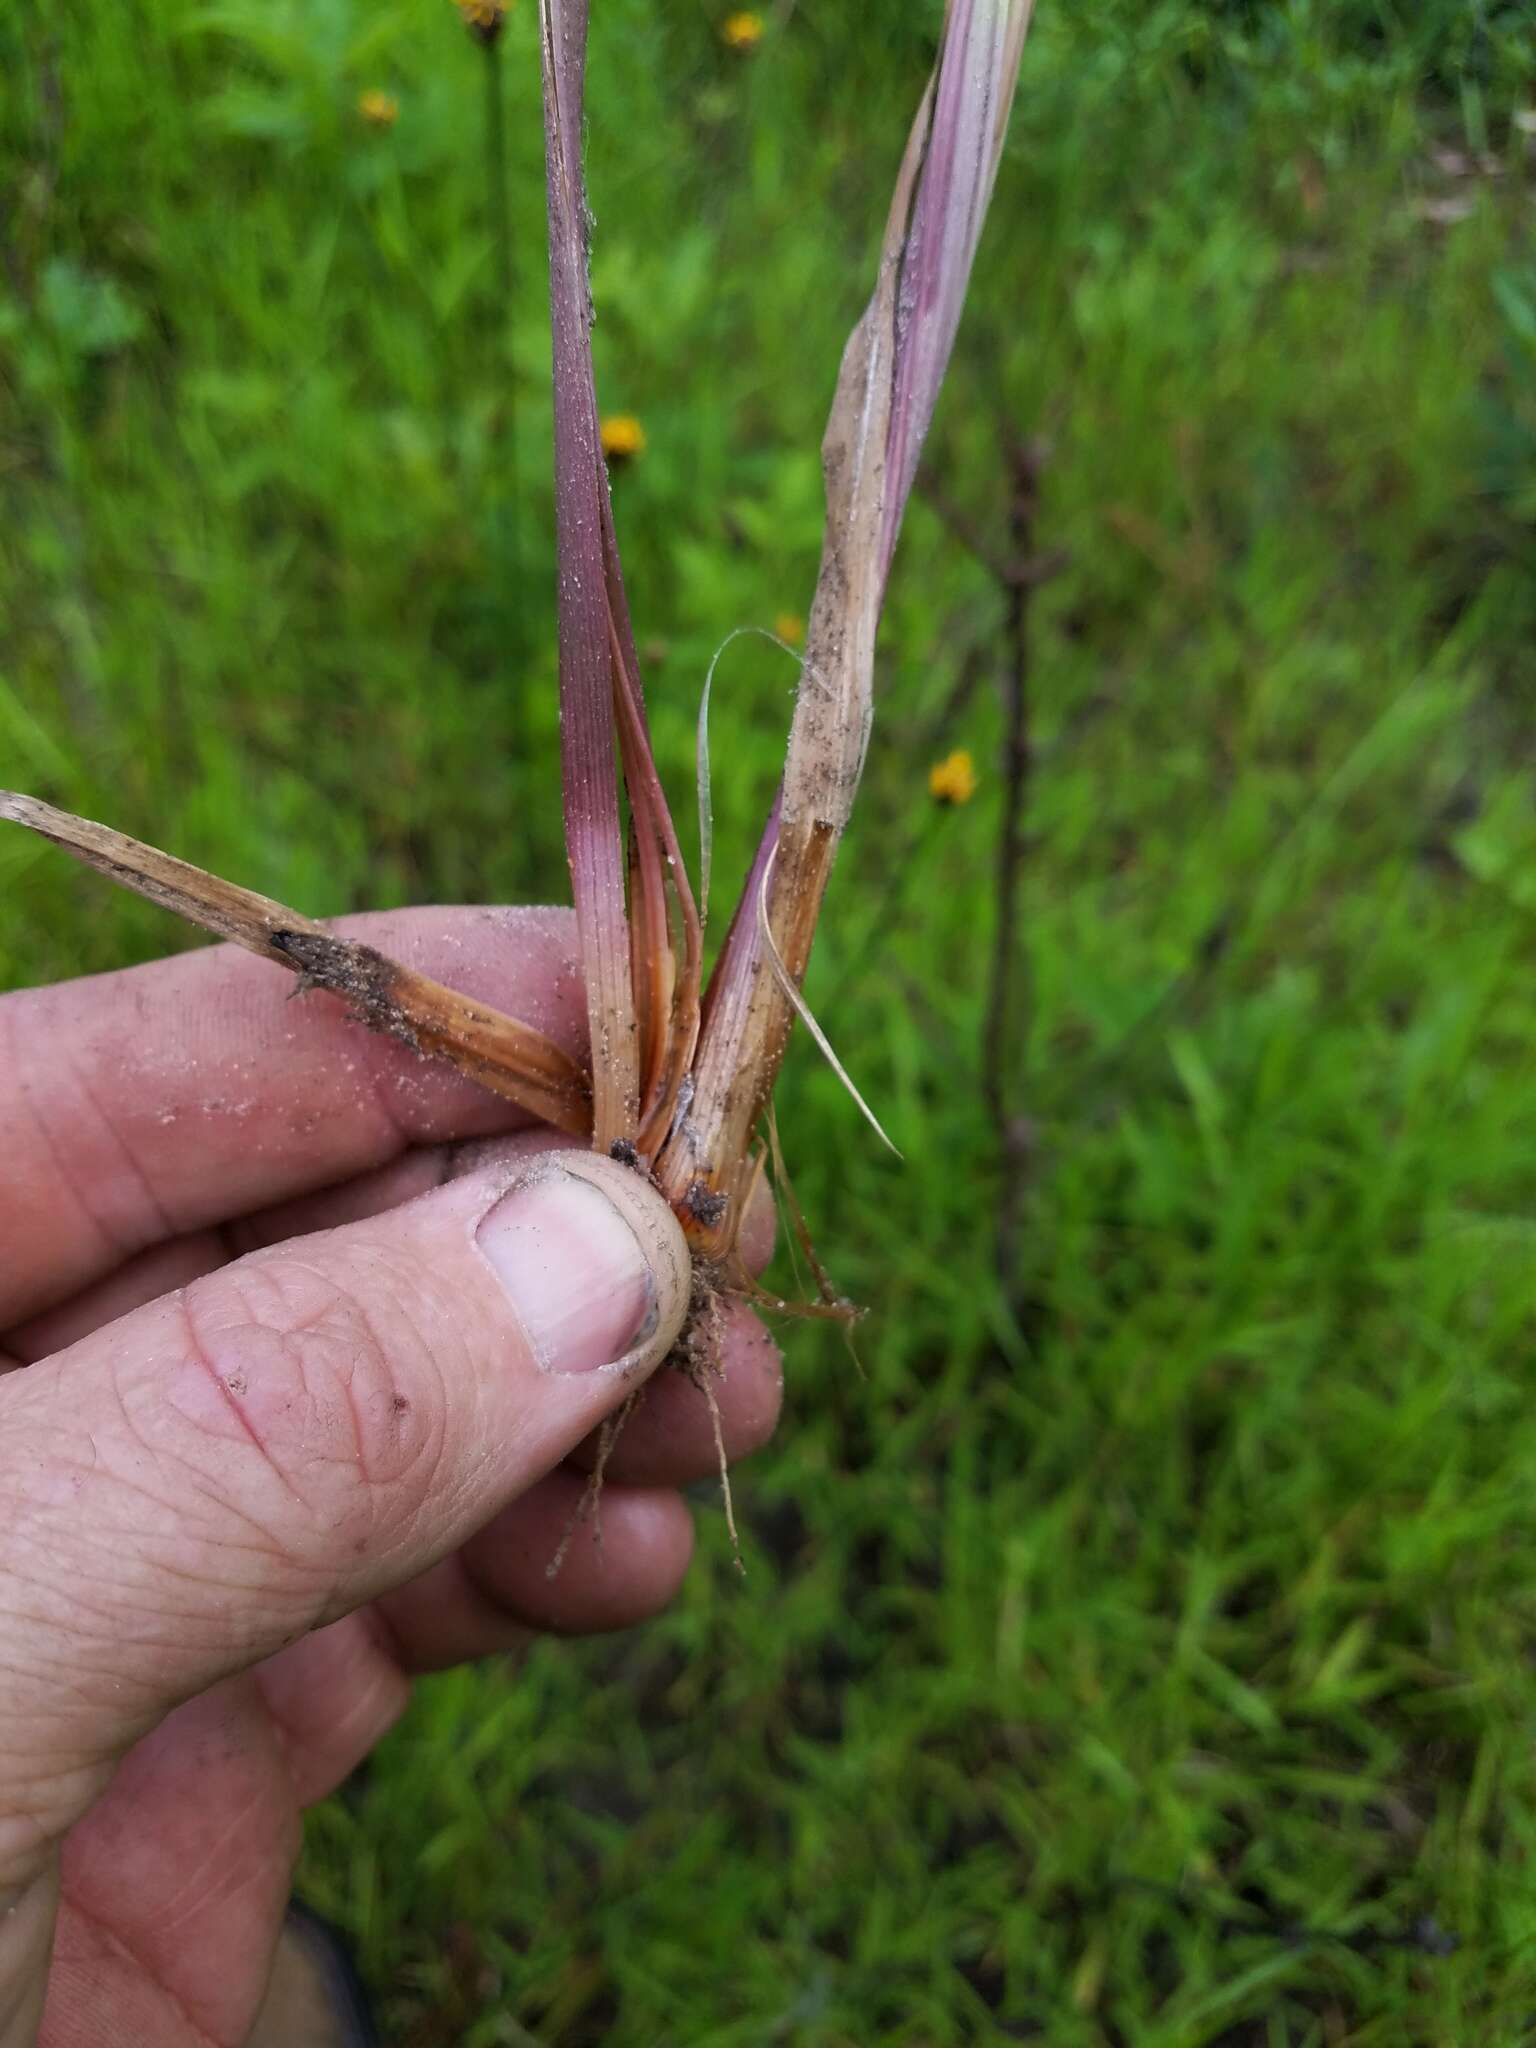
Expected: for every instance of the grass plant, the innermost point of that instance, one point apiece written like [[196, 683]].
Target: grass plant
[[1138, 1655]]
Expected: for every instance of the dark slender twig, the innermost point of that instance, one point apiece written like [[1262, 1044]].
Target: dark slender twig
[[1019, 571], [1009, 570], [509, 603], [1006, 1025], [499, 207], [496, 173], [966, 531], [878, 925]]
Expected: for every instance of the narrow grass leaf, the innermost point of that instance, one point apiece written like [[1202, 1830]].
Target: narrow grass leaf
[[593, 830], [642, 971]]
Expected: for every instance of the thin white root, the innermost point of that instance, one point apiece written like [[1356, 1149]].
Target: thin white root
[[702, 1383], [591, 1503]]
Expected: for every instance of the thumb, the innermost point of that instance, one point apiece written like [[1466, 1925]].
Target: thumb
[[201, 1482]]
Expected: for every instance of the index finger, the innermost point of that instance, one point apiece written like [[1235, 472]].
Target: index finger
[[140, 1105]]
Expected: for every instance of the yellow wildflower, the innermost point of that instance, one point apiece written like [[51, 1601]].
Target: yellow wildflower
[[378, 109], [484, 18], [791, 627], [742, 31], [623, 437], [953, 780]]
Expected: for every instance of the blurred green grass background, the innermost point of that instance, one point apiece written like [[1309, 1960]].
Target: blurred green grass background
[[1145, 1660]]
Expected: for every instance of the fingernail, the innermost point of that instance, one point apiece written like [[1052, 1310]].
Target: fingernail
[[573, 1268]]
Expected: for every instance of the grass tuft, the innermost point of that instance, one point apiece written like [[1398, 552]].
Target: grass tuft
[[1145, 1657]]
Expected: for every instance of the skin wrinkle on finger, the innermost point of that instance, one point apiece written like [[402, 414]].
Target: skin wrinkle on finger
[[331, 1697], [74, 1676], [162, 1268], [192, 1893], [228, 1096], [141, 1421], [292, 1293], [192, 2035], [289, 1383], [227, 1578], [148, 1509], [159, 1221], [26, 1925], [48, 1548], [19, 1099], [353, 1717], [85, 1622], [214, 1759], [336, 1319], [317, 1403], [482, 1611], [669, 1438]]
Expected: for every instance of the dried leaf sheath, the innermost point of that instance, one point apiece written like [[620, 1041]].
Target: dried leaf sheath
[[511, 1059], [734, 1013], [594, 838], [642, 990]]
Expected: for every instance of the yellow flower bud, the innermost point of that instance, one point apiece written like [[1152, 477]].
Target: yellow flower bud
[[953, 780], [484, 18], [378, 109], [742, 31], [623, 437]]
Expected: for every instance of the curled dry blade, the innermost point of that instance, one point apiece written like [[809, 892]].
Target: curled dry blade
[[509, 1058]]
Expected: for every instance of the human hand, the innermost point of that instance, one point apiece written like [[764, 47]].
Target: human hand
[[297, 1388]]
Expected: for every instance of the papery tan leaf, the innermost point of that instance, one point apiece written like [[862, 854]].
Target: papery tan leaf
[[887, 387]]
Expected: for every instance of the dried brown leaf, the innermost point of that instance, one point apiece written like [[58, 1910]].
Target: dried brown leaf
[[509, 1058]]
